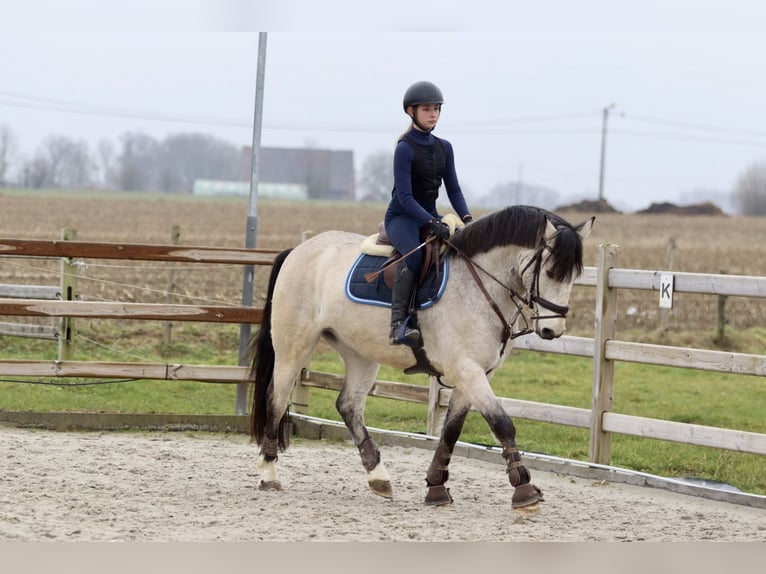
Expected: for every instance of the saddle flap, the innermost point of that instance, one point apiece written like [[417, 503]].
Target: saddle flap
[[432, 259]]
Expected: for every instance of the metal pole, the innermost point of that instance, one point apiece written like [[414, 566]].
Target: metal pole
[[603, 152], [252, 221]]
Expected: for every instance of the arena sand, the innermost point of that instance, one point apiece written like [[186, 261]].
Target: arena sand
[[188, 487]]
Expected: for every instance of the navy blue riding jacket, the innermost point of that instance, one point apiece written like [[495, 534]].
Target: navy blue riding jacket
[[422, 162]]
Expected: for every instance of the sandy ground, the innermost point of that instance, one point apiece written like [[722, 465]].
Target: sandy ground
[[174, 486]]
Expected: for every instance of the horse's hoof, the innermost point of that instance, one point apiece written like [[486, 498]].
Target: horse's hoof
[[381, 488], [438, 495], [269, 485], [525, 496]]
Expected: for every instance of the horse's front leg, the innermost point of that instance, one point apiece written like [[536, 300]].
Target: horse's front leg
[[525, 493], [438, 471]]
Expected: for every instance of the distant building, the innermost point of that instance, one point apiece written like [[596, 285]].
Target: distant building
[[276, 190], [321, 173]]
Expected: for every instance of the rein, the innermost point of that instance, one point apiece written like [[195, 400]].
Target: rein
[[516, 298]]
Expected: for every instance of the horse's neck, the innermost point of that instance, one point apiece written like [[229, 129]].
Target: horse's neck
[[499, 269]]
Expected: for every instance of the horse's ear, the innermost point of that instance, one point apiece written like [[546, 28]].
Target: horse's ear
[[585, 227], [550, 230]]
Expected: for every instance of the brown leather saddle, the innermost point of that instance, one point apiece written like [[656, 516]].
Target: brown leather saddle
[[432, 257]]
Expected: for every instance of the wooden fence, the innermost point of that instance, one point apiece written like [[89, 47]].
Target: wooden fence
[[603, 348], [43, 292], [63, 332]]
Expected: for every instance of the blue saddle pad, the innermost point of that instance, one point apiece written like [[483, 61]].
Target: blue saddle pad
[[377, 293]]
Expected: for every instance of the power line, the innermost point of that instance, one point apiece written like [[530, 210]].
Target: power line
[[538, 119], [510, 131], [34, 102], [500, 126], [705, 128], [44, 103], [688, 137]]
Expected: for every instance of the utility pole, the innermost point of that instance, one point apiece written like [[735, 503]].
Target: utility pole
[[252, 220], [603, 151]]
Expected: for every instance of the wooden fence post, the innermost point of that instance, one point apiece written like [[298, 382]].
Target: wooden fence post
[[175, 235], [720, 337], [436, 412], [600, 449], [68, 286]]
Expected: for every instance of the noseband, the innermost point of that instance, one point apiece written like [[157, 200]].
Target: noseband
[[533, 298]]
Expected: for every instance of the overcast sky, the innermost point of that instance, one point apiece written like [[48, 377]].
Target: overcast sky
[[525, 83]]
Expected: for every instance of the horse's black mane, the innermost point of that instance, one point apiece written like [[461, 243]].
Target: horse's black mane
[[524, 225]]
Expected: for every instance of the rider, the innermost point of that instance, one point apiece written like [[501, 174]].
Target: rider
[[421, 162]]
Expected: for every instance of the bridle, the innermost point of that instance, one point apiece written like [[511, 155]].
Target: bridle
[[559, 311], [531, 300]]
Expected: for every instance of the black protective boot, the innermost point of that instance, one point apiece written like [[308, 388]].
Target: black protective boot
[[401, 333]]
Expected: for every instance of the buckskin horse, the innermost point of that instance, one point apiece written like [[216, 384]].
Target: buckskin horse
[[510, 272]]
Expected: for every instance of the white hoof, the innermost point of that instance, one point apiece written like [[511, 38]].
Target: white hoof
[[379, 481], [269, 478]]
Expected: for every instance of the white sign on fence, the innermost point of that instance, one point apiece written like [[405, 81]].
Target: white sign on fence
[[666, 290]]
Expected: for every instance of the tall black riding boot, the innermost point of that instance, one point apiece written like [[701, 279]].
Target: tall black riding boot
[[401, 333]]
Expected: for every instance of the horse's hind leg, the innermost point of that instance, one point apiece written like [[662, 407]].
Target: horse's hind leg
[[438, 472], [285, 377], [360, 376]]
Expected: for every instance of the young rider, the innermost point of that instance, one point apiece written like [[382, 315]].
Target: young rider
[[421, 163]]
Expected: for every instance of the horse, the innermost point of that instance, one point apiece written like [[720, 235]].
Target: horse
[[513, 266]]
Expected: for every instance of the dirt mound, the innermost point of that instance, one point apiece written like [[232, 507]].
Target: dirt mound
[[706, 208], [589, 206]]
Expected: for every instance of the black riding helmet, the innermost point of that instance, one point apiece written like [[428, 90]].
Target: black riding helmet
[[421, 93]]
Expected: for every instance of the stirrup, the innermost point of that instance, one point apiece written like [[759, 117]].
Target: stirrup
[[402, 334]]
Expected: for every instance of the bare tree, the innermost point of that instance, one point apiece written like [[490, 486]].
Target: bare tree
[[106, 162], [136, 165], [750, 191], [141, 164], [377, 178], [8, 150], [78, 166], [188, 157], [55, 149], [171, 165], [36, 172], [60, 162]]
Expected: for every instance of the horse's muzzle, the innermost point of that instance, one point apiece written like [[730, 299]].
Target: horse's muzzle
[[548, 334]]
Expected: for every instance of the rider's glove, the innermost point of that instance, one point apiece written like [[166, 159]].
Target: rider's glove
[[439, 229]]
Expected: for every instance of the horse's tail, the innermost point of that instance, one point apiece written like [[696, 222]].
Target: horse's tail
[[262, 368]]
